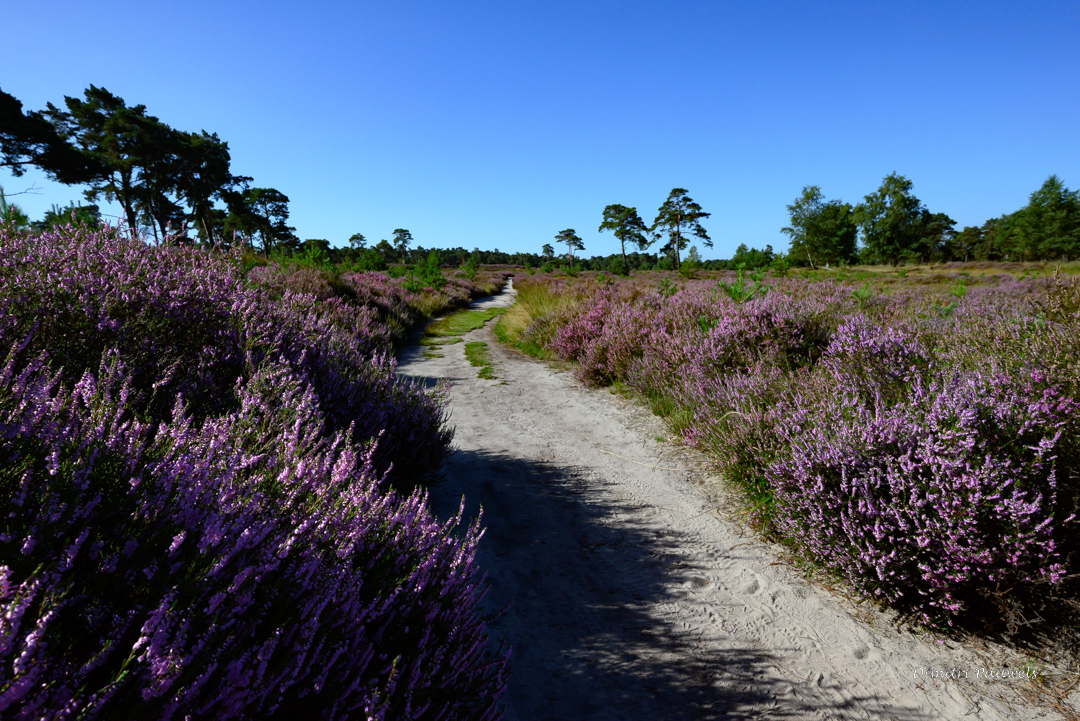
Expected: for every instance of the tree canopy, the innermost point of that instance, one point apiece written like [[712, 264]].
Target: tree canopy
[[821, 232], [30, 139], [890, 220], [573, 242], [402, 240], [163, 178], [627, 226], [679, 217]]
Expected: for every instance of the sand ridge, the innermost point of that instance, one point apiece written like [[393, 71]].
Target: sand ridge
[[632, 598]]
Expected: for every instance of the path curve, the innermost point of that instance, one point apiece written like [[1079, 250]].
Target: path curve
[[632, 598]]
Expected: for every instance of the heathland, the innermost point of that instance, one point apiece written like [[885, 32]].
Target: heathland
[[911, 433], [212, 488]]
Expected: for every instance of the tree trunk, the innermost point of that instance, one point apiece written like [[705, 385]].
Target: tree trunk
[[209, 231]]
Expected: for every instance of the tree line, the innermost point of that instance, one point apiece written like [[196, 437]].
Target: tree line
[[167, 180], [892, 226]]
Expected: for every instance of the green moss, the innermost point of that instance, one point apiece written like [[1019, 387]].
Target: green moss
[[439, 340], [477, 354], [463, 322]]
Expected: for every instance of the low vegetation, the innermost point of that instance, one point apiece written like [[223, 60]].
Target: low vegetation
[[196, 473], [916, 439], [477, 355]]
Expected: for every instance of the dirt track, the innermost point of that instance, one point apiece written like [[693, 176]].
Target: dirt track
[[632, 598]]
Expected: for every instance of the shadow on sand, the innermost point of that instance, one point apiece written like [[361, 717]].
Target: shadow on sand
[[586, 619]]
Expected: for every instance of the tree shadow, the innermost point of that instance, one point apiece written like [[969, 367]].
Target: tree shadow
[[584, 601]]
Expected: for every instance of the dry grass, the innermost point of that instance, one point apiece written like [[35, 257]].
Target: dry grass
[[533, 301]]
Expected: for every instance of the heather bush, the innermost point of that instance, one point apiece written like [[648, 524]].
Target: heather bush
[[920, 441], [394, 304], [186, 324], [196, 479], [934, 502], [246, 566]]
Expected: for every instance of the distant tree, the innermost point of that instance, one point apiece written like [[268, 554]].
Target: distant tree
[[155, 188], [821, 232], [751, 258], [268, 208], [402, 240], [628, 228], [548, 251], [935, 238], [967, 243], [86, 216], [1049, 226], [30, 139], [385, 249], [891, 220], [573, 242], [357, 241], [679, 217]]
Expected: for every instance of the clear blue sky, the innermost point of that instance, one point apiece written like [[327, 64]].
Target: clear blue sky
[[498, 124]]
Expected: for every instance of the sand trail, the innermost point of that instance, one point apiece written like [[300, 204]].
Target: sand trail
[[632, 598]]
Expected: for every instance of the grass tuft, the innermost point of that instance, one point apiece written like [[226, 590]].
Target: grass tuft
[[477, 355]]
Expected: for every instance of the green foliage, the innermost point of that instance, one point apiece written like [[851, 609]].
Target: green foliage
[[780, 267], [628, 227], [472, 265], [31, 139], [573, 242], [371, 260], [264, 211], [1049, 226], [862, 295], [744, 288], [692, 264], [890, 219], [751, 258], [617, 266], [432, 271], [477, 355], [460, 323], [83, 216], [680, 216], [402, 240], [315, 254], [666, 288], [821, 232]]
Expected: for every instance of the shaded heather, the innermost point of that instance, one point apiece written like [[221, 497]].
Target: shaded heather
[[246, 566]]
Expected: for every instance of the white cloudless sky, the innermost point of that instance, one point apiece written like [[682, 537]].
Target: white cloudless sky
[[498, 124]]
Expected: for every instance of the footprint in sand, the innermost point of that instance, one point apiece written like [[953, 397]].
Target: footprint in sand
[[695, 580]]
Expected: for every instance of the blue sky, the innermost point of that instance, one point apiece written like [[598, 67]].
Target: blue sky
[[498, 124]]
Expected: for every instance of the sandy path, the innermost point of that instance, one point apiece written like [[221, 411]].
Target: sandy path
[[632, 599]]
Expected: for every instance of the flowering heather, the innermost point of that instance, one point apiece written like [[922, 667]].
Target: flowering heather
[[246, 566], [920, 442], [186, 324], [388, 301], [194, 474]]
